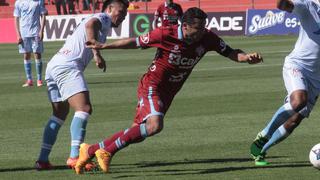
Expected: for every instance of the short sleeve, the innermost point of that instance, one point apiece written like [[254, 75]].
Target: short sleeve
[[215, 43], [151, 39], [16, 11]]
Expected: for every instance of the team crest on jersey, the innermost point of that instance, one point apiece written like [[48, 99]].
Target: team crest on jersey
[[200, 50], [223, 45], [145, 38]]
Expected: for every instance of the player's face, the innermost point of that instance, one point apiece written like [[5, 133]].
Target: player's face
[[194, 32], [118, 13]]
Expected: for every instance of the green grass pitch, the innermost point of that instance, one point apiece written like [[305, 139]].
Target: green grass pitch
[[208, 128]]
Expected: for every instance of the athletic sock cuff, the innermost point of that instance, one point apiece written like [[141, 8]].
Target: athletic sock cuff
[[82, 115]]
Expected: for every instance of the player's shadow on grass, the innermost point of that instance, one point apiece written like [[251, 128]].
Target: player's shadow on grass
[[186, 170], [32, 168]]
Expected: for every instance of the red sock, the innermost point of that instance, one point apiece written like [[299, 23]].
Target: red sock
[[93, 148], [131, 136]]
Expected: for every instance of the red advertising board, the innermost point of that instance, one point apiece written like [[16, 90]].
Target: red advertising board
[[7, 31]]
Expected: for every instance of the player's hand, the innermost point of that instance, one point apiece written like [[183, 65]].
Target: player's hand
[[94, 44], [40, 36], [100, 62], [254, 58], [20, 40]]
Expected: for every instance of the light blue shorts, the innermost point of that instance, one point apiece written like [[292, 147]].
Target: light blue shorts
[[296, 78], [64, 81], [31, 44]]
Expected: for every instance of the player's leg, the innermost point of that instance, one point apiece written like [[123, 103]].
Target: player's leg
[[73, 88], [297, 88], [148, 121], [136, 134], [80, 102], [283, 131], [37, 47], [60, 111], [25, 48], [297, 99]]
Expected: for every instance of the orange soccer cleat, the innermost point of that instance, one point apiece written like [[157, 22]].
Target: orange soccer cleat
[[71, 163], [83, 159], [104, 159]]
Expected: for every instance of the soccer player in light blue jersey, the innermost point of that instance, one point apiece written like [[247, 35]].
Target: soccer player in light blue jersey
[[301, 74], [30, 18], [67, 87]]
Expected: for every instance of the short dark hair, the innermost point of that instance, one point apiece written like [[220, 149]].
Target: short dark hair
[[191, 13], [106, 3]]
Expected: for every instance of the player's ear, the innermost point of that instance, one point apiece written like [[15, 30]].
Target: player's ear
[[184, 25], [110, 8]]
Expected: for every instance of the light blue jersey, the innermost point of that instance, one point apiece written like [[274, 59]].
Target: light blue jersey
[[64, 73], [74, 49], [306, 53], [29, 12]]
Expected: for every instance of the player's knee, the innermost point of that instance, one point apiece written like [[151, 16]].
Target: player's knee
[[154, 126], [291, 125], [61, 114], [87, 108], [299, 102], [293, 122]]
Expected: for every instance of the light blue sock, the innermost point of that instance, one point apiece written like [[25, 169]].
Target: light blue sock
[[49, 137], [280, 134], [78, 131], [281, 116], [27, 69], [39, 69]]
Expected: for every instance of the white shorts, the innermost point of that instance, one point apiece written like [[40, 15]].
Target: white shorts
[[64, 81], [31, 44], [296, 78]]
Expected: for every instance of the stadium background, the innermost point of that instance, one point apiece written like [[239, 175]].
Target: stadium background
[[210, 125], [225, 18]]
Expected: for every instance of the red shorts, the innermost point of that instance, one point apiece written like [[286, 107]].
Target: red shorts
[[151, 103]]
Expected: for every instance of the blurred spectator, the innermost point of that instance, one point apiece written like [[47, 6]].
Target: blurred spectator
[[86, 5], [60, 3], [71, 6], [78, 6], [167, 13]]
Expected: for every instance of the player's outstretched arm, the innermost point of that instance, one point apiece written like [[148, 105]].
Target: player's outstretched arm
[[240, 56], [285, 5], [127, 43]]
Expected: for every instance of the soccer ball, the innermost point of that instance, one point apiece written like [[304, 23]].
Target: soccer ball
[[314, 156]]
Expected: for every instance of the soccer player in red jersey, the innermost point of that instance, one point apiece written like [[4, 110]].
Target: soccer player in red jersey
[[179, 49], [168, 13]]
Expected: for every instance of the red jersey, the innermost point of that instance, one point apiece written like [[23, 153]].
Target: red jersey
[[169, 13], [175, 59]]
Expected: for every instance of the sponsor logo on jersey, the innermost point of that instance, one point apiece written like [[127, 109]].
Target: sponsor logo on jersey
[[200, 50], [183, 62], [145, 38], [223, 45], [178, 78]]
